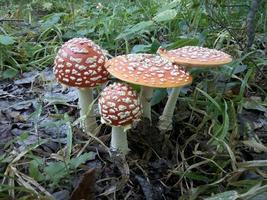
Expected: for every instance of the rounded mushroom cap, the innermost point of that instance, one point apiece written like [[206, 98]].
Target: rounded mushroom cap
[[196, 56], [80, 63], [148, 70], [119, 105]]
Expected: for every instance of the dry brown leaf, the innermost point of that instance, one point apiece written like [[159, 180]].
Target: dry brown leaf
[[85, 188]]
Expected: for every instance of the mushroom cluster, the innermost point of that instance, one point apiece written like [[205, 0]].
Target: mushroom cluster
[[82, 64]]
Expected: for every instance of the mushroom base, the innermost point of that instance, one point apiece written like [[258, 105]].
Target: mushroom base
[[119, 140], [165, 120], [86, 100]]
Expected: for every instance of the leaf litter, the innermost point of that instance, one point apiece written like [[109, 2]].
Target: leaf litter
[[158, 165], [35, 146]]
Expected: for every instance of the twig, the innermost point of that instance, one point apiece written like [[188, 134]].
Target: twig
[[12, 20], [250, 22], [235, 5]]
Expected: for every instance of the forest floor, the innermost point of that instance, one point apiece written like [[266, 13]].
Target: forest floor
[[217, 147], [35, 134]]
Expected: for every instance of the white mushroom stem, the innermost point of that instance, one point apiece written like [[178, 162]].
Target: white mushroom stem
[[85, 100], [146, 96], [119, 140], [165, 120]]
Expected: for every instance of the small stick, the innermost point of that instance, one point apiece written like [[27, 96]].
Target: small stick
[[12, 20]]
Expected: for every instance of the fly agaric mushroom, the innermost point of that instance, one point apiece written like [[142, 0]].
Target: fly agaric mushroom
[[195, 56], [119, 106], [149, 71], [189, 56], [80, 63]]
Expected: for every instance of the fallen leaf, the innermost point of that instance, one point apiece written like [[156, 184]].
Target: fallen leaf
[[3, 93], [256, 145], [147, 188], [85, 188], [28, 77], [16, 116], [61, 98], [22, 105], [255, 104]]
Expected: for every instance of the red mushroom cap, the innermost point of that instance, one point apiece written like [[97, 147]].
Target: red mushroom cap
[[80, 63], [148, 70], [119, 105]]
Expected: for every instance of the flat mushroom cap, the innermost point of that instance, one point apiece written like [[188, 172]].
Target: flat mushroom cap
[[119, 105], [148, 70], [80, 63], [196, 56]]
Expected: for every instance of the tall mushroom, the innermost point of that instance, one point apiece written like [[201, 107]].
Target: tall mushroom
[[119, 106], [150, 71], [80, 63], [189, 56]]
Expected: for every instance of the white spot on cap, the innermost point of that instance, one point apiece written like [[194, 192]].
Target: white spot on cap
[[104, 111], [88, 72], [111, 110], [78, 50], [93, 66], [66, 80], [122, 108], [126, 100], [74, 71], [132, 106], [90, 60], [114, 117], [100, 61], [104, 106], [111, 104], [81, 67], [68, 64], [60, 59], [95, 78], [77, 60], [136, 110], [64, 54]]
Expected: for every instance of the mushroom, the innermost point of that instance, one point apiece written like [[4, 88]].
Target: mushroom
[[80, 63], [119, 106], [194, 56], [189, 56], [150, 71]]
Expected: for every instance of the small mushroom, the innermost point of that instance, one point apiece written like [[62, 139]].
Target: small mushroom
[[80, 63], [189, 56], [150, 71], [119, 106]]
